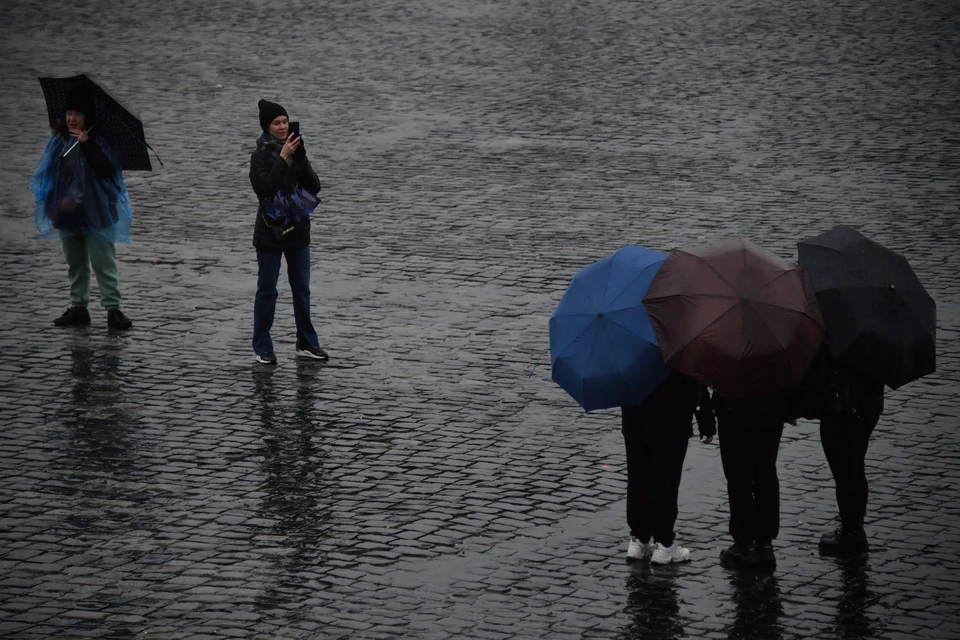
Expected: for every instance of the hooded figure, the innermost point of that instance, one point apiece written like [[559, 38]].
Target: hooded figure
[[80, 198]]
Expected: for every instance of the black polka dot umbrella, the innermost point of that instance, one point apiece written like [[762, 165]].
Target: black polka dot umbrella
[[114, 120]]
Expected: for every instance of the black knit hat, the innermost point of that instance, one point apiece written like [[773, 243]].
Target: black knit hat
[[269, 111], [80, 98]]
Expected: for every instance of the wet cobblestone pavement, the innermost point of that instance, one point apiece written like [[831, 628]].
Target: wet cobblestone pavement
[[431, 481]]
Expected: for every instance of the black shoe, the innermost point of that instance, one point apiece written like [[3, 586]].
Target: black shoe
[[73, 317], [265, 358], [306, 350], [116, 320], [738, 555], [844, 540], [764, 554]]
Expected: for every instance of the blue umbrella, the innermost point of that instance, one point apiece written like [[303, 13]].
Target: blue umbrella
[[603, 349]]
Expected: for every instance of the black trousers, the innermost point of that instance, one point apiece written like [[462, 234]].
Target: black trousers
[[653, 484], [845, 437], [749, 457]]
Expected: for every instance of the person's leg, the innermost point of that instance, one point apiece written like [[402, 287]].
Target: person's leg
[[103, 259], [638, 487], [265, 304], [735, 456], [839, 447], [666, 469], [298, 273], [766, 485], [858, 491], [78, 270]]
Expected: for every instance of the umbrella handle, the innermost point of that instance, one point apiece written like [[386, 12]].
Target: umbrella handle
[[70, 149]]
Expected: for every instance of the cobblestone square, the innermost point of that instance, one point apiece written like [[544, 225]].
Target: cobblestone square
[[432, 481]]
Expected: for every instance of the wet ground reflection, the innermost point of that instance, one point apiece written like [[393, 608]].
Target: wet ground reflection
[[98, 427], [292, 465], [851, 620], [758, 606], [652, 605]]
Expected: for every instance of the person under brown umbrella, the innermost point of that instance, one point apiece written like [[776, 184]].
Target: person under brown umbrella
[[749, 430], [747, 324]]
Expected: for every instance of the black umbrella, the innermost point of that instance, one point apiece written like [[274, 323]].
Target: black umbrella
[[121, 125], [879, 318]]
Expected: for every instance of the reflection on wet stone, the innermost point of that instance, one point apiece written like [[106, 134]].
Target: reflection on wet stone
[[758, 606], [101, 432], [853, 620], [295, 494], [652, 605]]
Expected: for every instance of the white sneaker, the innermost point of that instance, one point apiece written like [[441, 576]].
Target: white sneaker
[[639, 550], [666, 555]]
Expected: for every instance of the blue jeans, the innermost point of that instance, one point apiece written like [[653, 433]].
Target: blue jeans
[[298, 273]]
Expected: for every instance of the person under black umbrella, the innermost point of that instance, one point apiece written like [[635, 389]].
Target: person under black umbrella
[[749, 430], [82, 200], [848, 404]]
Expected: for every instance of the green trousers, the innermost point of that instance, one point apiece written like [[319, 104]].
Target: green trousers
[[81, 253]]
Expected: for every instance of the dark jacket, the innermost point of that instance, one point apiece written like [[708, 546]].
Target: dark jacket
[[831, 388], [667, 414], [92, 152], [769, 409], [270, 173]]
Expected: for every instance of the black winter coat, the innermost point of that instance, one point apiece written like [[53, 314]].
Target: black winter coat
[[831, 388], [268, 174], [765, 410], [666, 415]]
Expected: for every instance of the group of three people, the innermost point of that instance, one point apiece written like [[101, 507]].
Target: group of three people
[[81, 199], [848, 405]]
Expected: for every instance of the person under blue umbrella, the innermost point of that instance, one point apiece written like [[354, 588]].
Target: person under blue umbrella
[[655, 433]]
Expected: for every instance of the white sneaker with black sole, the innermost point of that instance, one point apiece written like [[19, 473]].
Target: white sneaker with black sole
[[308, 351], [637, 550], [666, 555]]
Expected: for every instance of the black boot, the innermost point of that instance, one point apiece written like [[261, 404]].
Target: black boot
[[844, 540], [738, 555], [73, 317], [116, 320], [764, 554]]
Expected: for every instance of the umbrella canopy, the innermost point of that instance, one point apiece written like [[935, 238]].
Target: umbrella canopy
[[879, 318], [121, 125], [603, 349], [735, 316]]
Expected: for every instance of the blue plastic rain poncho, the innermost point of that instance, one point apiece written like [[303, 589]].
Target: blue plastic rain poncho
[[71, 200]]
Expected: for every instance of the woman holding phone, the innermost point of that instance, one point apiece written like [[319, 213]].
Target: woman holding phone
[[286, 187]]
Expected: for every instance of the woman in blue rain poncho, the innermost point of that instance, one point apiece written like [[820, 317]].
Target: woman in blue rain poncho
[[82, 200]]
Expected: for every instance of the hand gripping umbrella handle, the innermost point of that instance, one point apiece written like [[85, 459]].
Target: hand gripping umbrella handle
[[78, 142]]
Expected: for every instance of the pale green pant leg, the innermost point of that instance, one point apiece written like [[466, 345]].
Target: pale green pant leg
[[78, 269], [103, 259]]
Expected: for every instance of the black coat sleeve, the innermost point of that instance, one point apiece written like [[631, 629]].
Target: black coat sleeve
[[267, 176], [97, 159], [308, 177]]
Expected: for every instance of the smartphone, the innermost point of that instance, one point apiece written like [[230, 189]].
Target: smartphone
[[293, 130]]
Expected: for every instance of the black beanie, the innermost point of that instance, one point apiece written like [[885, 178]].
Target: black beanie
[[269, 111], [80, 98]]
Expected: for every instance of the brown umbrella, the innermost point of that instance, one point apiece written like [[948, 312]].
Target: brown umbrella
[[735, 316]]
